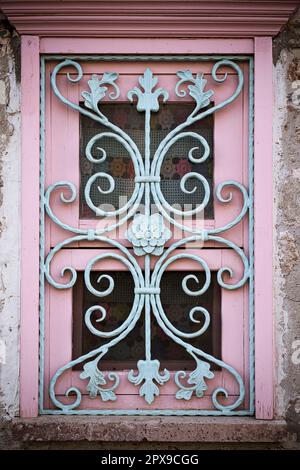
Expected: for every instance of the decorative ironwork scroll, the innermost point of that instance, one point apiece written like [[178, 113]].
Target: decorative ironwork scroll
[[147, 234]]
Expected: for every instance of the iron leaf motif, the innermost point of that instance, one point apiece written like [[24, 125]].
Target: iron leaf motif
[[98, 90], [148, 371], [148, 99], [196, 379], [196, 90], [96, 380]]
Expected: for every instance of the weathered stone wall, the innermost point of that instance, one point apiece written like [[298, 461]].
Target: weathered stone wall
[[9, 228], [286, 156], [9, 221], [286, 234]]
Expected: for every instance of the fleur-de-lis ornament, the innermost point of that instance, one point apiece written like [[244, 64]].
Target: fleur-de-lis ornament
[[148, 100]]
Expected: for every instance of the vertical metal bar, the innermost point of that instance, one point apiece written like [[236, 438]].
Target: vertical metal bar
[[42, 238], [251, 239], [147, 310], [147, 257]]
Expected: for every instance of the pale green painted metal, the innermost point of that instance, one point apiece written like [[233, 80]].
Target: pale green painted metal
[[148, 235], [251, 238]]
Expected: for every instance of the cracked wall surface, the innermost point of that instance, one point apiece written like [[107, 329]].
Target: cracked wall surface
[[9, 225], [286, 158]]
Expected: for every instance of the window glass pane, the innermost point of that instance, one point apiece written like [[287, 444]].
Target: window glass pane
[[119, 164], [176, 305]]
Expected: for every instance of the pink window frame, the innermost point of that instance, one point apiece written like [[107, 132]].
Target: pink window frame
[[261, 48]]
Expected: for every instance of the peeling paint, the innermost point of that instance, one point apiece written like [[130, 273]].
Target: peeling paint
[[9, 230]]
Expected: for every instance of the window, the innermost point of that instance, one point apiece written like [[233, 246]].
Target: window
[[148, 272], [176, 304], [120, 165]]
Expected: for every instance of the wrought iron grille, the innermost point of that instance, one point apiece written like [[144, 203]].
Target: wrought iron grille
[[176, 304], [119, 164], [148, 235]]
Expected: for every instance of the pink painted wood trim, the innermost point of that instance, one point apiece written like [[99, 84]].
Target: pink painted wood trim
[[113, 45], [30, 90], [263, 236], [150, 18], [263, 224]]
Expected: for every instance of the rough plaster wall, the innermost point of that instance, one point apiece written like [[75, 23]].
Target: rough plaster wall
[[286, 157], [9, 221]]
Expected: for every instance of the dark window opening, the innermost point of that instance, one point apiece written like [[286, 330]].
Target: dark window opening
[[119, 164], [118, 304]]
